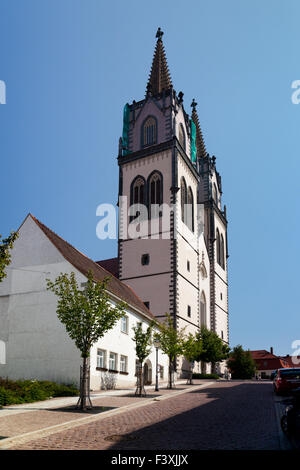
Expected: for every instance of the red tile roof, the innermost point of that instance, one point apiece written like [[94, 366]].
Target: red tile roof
[[84, 264], [270, 363], [292, 361], [262, 354], [111, 265]]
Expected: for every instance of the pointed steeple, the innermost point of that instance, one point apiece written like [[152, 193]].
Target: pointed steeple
[[201, 150], [159, 78]]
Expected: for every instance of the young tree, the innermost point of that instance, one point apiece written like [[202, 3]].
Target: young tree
[[241, 364], [87, 315], [213, 348], [171, 342], [6, 245], [192, 348], [142, 341]]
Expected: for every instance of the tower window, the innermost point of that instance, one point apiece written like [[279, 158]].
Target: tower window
[[220, 249], [181, 136], [215, 194], [190, 209], [222, 254], [183, 191], [188, 266], [189, 311], [149, 132], [145, 259], [138, 191], [202, 309], [155, 193], [218, 241]]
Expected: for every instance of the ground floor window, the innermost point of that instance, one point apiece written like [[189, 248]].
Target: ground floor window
[[123, 364], [100, 358], [112, 361], [161, 371]]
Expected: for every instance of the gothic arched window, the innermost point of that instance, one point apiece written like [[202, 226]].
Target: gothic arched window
[[215, 194], [155, 188], [218, 241], [202, 309], [190, 209], [222, 252], [138, 190], [183, 191], [149, 131], [181, 136]]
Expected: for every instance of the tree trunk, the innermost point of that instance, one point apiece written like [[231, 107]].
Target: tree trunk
[[141, 380], [191, 375], [170, 384], [84, 401]]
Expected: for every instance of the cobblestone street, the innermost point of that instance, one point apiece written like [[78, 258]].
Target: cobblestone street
[[226, 415]]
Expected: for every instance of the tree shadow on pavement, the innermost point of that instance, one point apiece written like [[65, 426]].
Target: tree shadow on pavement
[[231, 415]]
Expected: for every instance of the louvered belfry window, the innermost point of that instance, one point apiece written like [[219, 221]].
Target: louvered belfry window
[[138, 191], [155, 189], [149, 134]]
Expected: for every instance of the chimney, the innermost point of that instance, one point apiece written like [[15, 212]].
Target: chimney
[[271, 350]]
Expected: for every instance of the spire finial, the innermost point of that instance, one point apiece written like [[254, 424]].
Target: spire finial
[[159, 34], [159, 78], [194, 104]]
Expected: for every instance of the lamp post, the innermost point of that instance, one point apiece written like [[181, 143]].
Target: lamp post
[[156, 345]]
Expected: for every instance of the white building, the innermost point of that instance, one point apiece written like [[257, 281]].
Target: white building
[[37, 345]]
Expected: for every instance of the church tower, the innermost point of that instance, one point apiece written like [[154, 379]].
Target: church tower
[[174, 256]]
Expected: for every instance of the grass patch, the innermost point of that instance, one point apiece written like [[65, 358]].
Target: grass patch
[[27, 391]]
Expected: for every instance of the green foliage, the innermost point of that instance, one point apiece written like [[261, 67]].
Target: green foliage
[[206, 376], [192, 347], [171, 340], [213, 348], [86, 313], [6, 245], [241, 364], [142, 341], [27, 391]]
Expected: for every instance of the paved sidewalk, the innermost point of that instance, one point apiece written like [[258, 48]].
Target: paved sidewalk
[[68, 401], [20, 420]]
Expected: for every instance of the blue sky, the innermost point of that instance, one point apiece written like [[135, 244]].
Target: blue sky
[[70, 66]]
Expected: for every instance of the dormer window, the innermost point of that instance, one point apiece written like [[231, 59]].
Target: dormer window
[[149, 132]]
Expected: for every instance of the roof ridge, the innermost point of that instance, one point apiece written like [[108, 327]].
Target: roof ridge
[[65, 241], [139, 304]]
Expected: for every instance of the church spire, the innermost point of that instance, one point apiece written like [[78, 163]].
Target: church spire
[[201, 150], [159, 78]]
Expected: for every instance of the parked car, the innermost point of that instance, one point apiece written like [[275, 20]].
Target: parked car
[[273, 375], [286, 380], [290, 420]]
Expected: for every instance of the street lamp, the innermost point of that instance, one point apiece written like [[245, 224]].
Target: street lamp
[[156, 344]]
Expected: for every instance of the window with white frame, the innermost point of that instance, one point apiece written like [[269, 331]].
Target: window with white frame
[[101, 358], [124, 324], [112, 361], [123, 363]]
